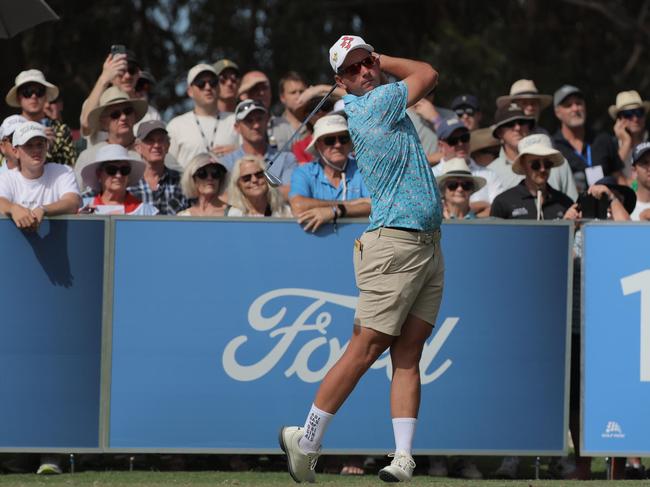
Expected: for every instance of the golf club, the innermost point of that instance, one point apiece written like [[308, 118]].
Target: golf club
[[272, 179]]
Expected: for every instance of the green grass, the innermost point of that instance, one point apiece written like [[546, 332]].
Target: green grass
[[241, 479]]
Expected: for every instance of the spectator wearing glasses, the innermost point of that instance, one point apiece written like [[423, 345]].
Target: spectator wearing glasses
[[641, 162], [629, 114], [229, 76], [467, 110], [204, 128], [251, 123], [31, 92], [331, 187], [590, 155], [9, 159], [109, 175], [255, 85], [159, 186], [115, 115], [457, 184], [533, 198], [525, 94], [250, 194], [203, 181], [454, 142]]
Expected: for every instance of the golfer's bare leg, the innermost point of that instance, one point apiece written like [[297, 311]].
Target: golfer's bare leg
[[405, 353], [366, 345]]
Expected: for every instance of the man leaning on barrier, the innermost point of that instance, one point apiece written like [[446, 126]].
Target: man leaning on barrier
[[36, 189]]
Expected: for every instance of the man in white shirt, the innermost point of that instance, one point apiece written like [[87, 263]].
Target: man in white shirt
[[36, 189], [204, 128], [641, 164]]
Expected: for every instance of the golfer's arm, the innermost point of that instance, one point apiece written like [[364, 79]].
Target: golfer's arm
[[420, 77], [68, 204], [354, 208]]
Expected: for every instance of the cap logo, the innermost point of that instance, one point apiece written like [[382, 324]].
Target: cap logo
[[346, 42], [335, 56]]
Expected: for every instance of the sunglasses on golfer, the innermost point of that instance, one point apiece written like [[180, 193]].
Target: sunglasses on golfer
[[200, 83], [455, 140], [115, 115], [26, 91], [213, 170], [536, 164], [466, 185], [635, 112], [354, 69], [247, 177], [330, 140], [113, 169]]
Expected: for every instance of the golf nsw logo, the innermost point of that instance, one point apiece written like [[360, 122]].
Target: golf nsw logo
[[613, 430], [312, 322]]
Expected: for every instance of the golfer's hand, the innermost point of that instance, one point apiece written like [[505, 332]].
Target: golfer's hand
[[313, 218], [23, 218]]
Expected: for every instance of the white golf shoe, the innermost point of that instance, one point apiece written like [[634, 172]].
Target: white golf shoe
[[301, 465], [400, 469]]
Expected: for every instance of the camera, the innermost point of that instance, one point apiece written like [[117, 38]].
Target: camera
[[592, 207]]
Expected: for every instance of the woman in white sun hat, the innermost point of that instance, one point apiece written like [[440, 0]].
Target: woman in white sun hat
[[457, 184], [108, 176]]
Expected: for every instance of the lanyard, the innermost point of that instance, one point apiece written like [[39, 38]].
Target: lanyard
[[588, 159], [214, 132]]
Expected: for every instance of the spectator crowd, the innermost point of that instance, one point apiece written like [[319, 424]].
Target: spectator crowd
[[211, 160]]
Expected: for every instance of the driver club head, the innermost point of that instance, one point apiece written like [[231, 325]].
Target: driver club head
[[272, 179]]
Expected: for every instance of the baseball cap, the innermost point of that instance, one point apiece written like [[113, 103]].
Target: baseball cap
[[564, 91], [197, 70], [465, 101], [246, 107], [145, 128], [27, 131], [341, 48], [251, 79], [223, 64], [10, 124], [448, 127], [639, 151]]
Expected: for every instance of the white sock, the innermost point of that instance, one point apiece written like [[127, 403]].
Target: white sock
[[404, 430], [315, 426]]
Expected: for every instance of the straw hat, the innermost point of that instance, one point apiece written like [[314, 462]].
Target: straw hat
[[30, 76], [114, 96], [536, 145], [482, 139], [457, 168], [524, 88], [110, 153], [627, 100]]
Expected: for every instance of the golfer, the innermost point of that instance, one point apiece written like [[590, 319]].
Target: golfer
[[398, 264]]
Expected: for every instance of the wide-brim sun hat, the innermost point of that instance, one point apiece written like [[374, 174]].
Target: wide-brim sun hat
[[30, 76], [628, 194], [457, 168], [507, 114], [327, 125], [628, 100], [111, 97], [482, 139], [111, 153], [536, 145], [524, 88]]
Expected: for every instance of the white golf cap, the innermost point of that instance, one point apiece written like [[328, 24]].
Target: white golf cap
[[329, 124], [10, 124], [197, 70], [27, 131], [341, 48]]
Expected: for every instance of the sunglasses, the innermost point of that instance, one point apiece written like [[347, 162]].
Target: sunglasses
[[469, 111], [228, 77], [520, 122], [536, 164], [212, 170], [636, 112], [247, 177], [354, 69], [200, 83], [487, 152], [118, 113], [454, 140], [330, 140], [28, 91], [466, 185], [112, 170]]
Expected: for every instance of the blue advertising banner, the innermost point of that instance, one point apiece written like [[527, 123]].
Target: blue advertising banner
[[50, 337], [222, 331], [616, 343]]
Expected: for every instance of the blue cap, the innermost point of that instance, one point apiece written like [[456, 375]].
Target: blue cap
[[639, 151], [465, 101], [448, 127]]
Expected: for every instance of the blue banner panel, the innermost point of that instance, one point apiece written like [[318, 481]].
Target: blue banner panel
[[222, 331], [616, 344], [50, 337]]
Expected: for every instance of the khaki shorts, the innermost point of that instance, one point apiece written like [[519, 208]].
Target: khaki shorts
[[397, 273]]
